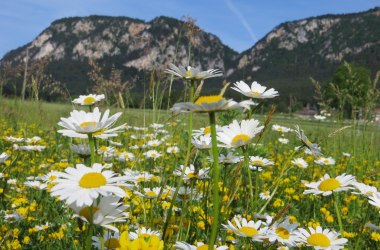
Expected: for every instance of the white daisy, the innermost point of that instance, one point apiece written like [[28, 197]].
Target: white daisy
[[249, 229], [144, 233], [327, 185], [321, 238], [283, 140], [156, 125], [202, 141], [200, 246], [284, 232], [81, 123], [229, 158], [3, 157], [320, 117], [13, 139], [265, 195], [172, 150], [33, 140], [325, 161], [110, 240], [190, 73], [281, 129], [364, 189], [255, 91], [346, 154], [149, 193], [236, 135], [103, 212], [212, 103], [192, 173], [154, 143], [126, 156], [82, 185], [313, 147], [29, 148], [88, 99], [299, 162], [152, 154], [374, 200], [35, 185], [260, 161]]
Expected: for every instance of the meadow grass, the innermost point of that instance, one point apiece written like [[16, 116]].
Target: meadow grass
[[31, 219]]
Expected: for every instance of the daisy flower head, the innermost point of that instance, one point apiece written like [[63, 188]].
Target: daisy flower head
[[82, 185], [144, 233], [313, 147], [192, 173], [364, 189], [3, 157], [235, 135], [202, 141], [320, 117], [284, 232], [320, 238], [281, 129], [213, 103], [81, 123], [190, 73], [265, 195], [204, 131], [255, 91], [283, 140], [103, 212], [229, 158], [154, 143], [260, 161], [152, 154], [110, 240], [299, 162], [325, 161], [150, 193], [172, 150], [87, 100], [200, 246], [126, 156], [327, 185], [374, 200], [249, 229]]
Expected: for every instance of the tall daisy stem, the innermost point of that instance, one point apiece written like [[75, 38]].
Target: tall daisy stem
[[337, 211], [246, 165], [216, 177], [91, 141], [190, 131]]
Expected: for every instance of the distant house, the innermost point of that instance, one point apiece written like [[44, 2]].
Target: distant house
[[307, 110]]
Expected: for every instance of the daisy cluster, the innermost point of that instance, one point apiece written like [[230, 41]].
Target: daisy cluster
[[97, 182]]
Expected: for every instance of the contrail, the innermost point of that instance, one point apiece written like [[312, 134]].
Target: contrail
[[241, 19]]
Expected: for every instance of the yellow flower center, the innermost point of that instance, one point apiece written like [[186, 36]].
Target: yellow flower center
[[103, 148], [112, 243], [89, 100], [208, 99], [283, 233], [192, 175], [329, 184], [203, 247], [99, 132], [257, 162], [140, 179], [188, 73], [207, 130], [299, 164], [279, 129], [88, 212], [87, 124], [256, 93], [153, 155], [318, 239], [241, 138], [92, 180], [249, 231], [151, 194], [326, 161]]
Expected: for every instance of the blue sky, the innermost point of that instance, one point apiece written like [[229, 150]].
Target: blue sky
[[238, 23]]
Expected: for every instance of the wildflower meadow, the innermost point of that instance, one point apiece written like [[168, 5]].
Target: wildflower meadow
[[208, 173]]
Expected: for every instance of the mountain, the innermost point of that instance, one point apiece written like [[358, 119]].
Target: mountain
[[285, 58], [314, 47], [131, 45]]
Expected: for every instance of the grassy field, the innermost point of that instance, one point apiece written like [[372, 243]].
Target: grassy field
[[271, 197]]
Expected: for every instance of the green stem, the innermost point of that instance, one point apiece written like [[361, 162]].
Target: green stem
[[216, 176], [337, 211], [92, 148], [190, 131], [246, 164]]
